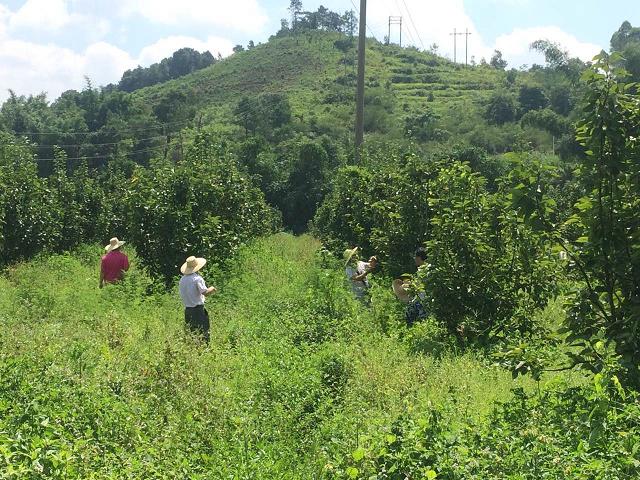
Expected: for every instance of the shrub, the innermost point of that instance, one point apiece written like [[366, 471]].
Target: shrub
[[201, 206]]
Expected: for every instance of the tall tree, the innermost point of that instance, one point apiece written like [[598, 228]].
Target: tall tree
[[295, 7]]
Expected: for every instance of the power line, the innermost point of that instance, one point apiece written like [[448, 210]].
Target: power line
[[414, 25], [141, 129], [98, 157], [70, 145], [367, 25], [413, 40]]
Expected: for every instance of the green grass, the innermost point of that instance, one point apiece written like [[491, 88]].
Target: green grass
[[106, 384]]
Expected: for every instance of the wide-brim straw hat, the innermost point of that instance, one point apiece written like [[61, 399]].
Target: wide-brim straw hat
[[114, 244], [192, 265], [400, 291], [348, 254]]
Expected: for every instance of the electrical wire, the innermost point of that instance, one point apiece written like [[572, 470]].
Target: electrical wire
[[413, 40], [71, 145], [366, 24], [414, 25], [142, 129], [98, 157]]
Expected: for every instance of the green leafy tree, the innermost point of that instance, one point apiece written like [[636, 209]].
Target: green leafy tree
[[501, 108], [203, 205], [497, 61], [532, 97], [608, 252], [625, 35]]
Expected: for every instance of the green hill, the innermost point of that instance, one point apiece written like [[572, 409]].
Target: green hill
[[319, 81]]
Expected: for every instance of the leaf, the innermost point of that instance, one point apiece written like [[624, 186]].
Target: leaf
[[352, 472], [358, 454]]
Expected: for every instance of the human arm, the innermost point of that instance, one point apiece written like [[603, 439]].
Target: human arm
[[203, 289], [125, 264], [360, 274], [358, 277]]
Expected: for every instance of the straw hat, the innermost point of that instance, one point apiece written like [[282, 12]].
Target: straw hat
[[400, 290], [192, 265], [348, 253], [114, 244]]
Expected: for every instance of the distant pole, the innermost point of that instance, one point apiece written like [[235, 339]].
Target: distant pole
[[466, 45], [360, 89], [395, 21], [455, 44]]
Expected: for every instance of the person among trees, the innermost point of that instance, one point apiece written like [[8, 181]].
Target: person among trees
[[114, 263], [193, 291], [415, 309], [357, 271]]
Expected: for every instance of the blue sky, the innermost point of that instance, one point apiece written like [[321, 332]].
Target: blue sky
[[50, 45]]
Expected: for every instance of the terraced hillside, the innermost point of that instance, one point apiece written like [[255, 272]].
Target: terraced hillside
[[319, 80]]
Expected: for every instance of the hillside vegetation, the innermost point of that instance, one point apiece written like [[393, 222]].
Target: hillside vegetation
[[521, 189], [105, 383], [299, 381]]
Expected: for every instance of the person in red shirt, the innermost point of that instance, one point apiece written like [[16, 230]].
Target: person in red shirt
[[114, 263]]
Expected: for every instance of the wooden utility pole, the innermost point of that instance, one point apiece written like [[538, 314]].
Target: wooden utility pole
[[360, 89], [466, 45], [455, 44], [394, 21]]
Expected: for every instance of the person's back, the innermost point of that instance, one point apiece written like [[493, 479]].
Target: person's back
[[113, 266], [192, 288]]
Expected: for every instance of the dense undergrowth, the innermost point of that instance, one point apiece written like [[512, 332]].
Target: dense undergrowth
[[299, 381]]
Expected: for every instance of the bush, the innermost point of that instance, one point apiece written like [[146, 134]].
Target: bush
[[485, 269], [501, 108], [202, 206], [575, 434]]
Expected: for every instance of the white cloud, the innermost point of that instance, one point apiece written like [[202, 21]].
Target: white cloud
[[42, 15], [53, 16], [434, 20], [4, 20], [166, 46], [241, 15], [29, 68], [515, 45]]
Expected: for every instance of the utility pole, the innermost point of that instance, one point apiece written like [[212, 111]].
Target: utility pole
[[395, 21], [466, 44], [360, 88], [455, 44]]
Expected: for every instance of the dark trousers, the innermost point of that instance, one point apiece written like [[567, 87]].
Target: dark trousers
[[197, 320]]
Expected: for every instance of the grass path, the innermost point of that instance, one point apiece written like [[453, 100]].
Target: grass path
[[105, 384]]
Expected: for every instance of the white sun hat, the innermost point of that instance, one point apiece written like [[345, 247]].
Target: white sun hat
[[192, 265], [114, 244]]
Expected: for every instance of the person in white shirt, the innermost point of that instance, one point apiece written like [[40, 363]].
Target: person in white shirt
[[357, 272], [193, 291]]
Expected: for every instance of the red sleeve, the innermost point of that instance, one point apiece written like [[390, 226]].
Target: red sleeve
[[102, 264], [125, 263]]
